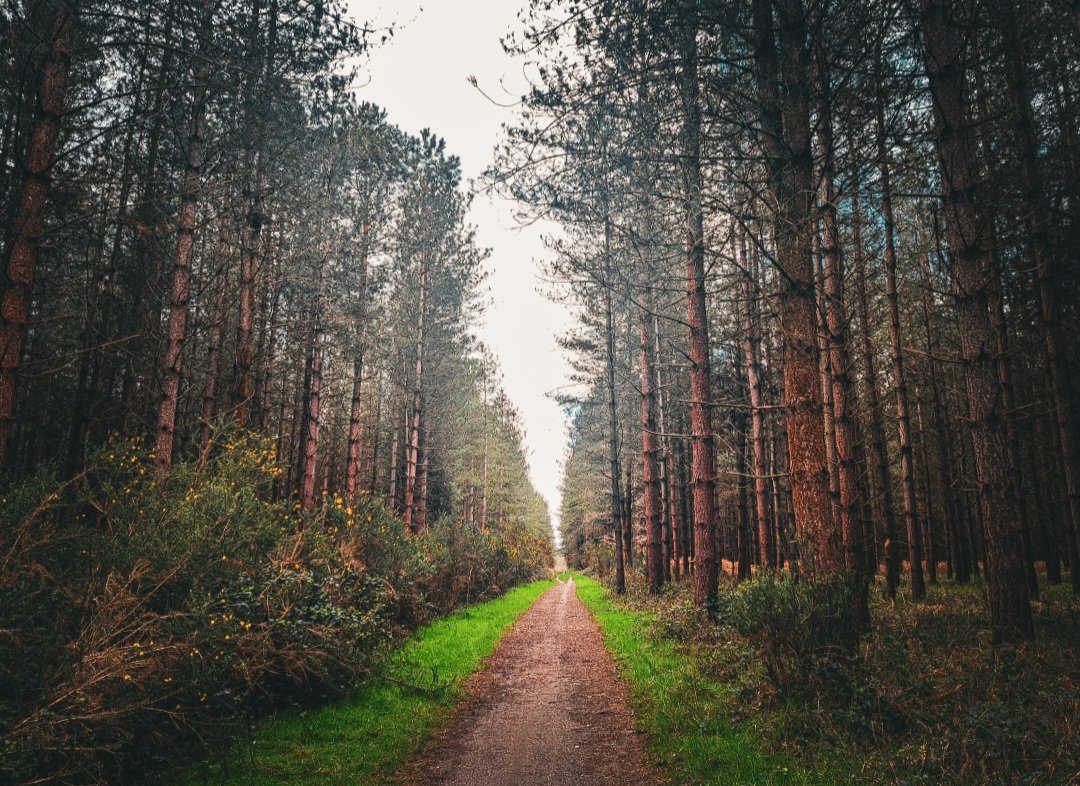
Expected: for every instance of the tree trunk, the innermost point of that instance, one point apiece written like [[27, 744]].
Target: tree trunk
[[313, 404], [628, 519], [703, 464], [21, 257], [613, 430], [352, 466], [843, 398], [242, 387], [740, 420], [412, 461], [751, 347], [650, 448], [907, 473], [420, 519], [180, 294], [392, 486], [1048, 275], [882, 479], [825, 373], [1010, 606], [794, 231], [668, 514], [250, 233], [352, 469], [213, 356]]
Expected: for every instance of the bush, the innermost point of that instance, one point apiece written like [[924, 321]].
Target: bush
[[805, 631], [144, 617]]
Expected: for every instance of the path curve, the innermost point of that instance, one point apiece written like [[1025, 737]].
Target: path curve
[[548, 711]]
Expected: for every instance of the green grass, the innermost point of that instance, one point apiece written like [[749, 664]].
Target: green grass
[[686, 715], [365, 739]]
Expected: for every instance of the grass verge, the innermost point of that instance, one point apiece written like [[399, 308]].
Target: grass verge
[[364, 740], [687, 715]]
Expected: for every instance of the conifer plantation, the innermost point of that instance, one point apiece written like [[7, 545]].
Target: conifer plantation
[[247, 435], [823, 257], [823, 264], [824, 260]]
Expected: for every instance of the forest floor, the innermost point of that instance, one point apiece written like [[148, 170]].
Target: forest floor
[[549, 709]]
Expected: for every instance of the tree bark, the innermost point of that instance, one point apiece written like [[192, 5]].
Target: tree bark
[[650, 447], [668, 514], [180, 293], [907, 472], [843, 389], [1048, 274], [613, 419], [352, 469], [794, 230], [882, 479], [250, 233], [703, 464], [412, 461], [1010, 606], [751, 346], [21, 257], [392, 485], [313, 402], [213, 356]]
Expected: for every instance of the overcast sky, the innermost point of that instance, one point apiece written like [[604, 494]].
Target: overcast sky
[[421, 78]]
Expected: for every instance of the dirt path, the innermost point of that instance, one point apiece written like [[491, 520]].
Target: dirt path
[[548, 711]]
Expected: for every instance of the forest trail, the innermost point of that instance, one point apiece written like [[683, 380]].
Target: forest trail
[[548, 710]]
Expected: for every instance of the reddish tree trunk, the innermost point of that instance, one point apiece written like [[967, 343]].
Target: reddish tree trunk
[[18, 274], [1048, 277], [794, 231], [751, 346], [176, 332], [843, 394], [702, 461], [882, 480], [907, 472], [213, 357], [352, 468], [412, 461], [650, 448], [312, 413], [1010, 606]]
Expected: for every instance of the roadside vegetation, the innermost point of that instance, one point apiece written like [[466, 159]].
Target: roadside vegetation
[[149, 618], [766, 691], [684, 709], [365, 738]]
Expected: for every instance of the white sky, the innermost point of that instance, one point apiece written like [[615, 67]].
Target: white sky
[[420, 78]]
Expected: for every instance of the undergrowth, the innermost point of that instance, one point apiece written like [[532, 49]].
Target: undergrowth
[[687, 713], [922, 699], [363, 740], [146, 617]]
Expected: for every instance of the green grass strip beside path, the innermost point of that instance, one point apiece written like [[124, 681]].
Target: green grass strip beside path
[[365, 739], [685, 714]]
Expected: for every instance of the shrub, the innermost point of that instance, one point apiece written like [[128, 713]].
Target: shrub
[[143, 616], [805, 631]]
